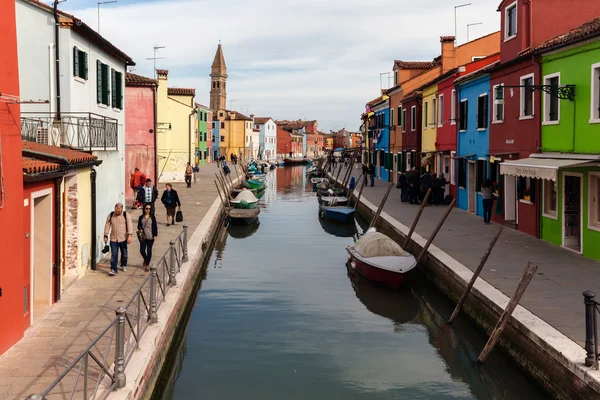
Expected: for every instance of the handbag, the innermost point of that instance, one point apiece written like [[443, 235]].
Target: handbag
[[178, 216], [140, 234]]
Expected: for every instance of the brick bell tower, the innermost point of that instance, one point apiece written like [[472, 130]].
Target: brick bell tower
[[218, 75]]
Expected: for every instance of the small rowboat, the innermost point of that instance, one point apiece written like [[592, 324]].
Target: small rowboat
[[380, 259], [256, 184], [296, 161], [316, 181], [243, 216], [337, 213], [333, 201], [245, 199]]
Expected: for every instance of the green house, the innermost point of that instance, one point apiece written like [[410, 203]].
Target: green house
[[570, 146], [202, 154]]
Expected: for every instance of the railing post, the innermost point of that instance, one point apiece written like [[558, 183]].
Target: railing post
[[153, 315], [185, 243], [172, 263], [120, 350], [588, 300]]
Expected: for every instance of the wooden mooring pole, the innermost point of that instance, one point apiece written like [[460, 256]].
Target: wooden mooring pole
[[360, 193], [435, 231], [224, 201], [414, 224], [463, 298], [530, 270], [385, 197], [338, 175]]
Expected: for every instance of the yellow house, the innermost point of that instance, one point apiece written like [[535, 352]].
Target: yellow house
[[233, 128], [430, 123], [175, 125]]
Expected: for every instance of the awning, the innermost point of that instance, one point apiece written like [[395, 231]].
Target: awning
[[540, 168], [466, 156]]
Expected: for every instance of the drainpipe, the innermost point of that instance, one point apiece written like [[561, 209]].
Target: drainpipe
[[194, 111], [57, 57], [56, 265], [93, 191]]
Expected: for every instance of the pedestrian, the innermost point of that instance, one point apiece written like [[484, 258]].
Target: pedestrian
[[136, 182], [442, 188], [226, 169], [148, 194], [147, 233], [372, 174], [170, 199], [188, 175], [404, 187], [118, 228], [425, 184], [352, 184], [487, 192], [290, 154], [435, 189], [413, 183]]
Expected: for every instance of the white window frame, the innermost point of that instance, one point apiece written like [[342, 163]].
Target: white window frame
[[425, 115], [595, 89], [453, 108], [547, 97], [475, 58], [522, 97], [495, 120], [403, 119], [592, 190], [467, 123], [508, 7], [487, 116], [434, 111], [549, 214], [440, 110], [413, 118]]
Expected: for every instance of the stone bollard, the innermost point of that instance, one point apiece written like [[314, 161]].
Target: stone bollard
[[591, 342], [185, 244], [172, 263], [153, 316], [120, 379]]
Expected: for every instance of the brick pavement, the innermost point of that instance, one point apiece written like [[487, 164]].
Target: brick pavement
[[554, 294], [88, 306]]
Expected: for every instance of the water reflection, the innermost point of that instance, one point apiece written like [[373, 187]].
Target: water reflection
[[339, 229], [243, 231]]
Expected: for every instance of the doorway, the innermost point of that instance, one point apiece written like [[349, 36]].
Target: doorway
[[472, 186], [572, 207], [41, 254], [510, 199], [395, 169]]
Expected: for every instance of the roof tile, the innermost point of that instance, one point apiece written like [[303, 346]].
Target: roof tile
[[261, 120], [415, 64], [181, 92], [138, 80], [582, 32], [72, 156], [33, 166]]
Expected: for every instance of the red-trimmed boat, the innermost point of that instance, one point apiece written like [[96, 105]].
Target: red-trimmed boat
[[380, 259]]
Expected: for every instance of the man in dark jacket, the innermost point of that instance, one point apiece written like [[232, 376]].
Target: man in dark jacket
[[425, 184], [413, 186], [372, 174], [148, 194], [404, 187]]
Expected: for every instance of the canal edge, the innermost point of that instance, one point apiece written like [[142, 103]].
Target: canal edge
[[550, 358]]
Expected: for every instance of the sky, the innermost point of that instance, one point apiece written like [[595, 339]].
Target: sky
[[301, 59]]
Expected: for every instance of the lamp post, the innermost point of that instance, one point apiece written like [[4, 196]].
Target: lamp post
[[455, 7], [469, 25], [102, 2]]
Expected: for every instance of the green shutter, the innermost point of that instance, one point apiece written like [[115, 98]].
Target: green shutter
[[99, 83], [113, 87], [75, 61], [85, 66], [105, 83]]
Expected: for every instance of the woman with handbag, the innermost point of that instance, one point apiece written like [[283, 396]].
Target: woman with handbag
[[147, 231], [170, 199]]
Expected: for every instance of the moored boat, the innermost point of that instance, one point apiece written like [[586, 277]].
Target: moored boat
[[316, 181], [380, 259], [245, 199], [243, 216], [337, 213], [257, 184], [333, 200], [296, 161]]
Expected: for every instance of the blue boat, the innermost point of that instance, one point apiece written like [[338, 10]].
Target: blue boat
[[337, 213]]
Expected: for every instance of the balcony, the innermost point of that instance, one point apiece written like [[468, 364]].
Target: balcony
[[80, 131]]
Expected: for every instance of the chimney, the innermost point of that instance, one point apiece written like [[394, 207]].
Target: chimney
[[162, 73], [448, 53]]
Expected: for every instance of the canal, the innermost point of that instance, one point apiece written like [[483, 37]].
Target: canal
[[278, 316]]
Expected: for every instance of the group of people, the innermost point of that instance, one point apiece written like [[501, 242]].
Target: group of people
[[414, 186]]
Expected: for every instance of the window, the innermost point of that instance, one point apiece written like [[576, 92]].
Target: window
[[204, 137], [550, 199], [475, 58], [404, 120], [80, 64], [426, 115], [117, 88], [594, 201], [441, 111], [400, 118], [452, 168], [221, 115], [595, 101], [551, 103], [526, 189], [222, 138], [102, 83], [498, 103], [391, 116], [480, 175], [395, 77], [214, 138], [433, 112], [527, 96], [453, 108], [462, 173], [463, 114], [510, 21], [482, 112], [222, 125], [213, 125], [413, 118]]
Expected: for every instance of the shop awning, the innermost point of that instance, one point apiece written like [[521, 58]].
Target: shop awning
[[540, 168]]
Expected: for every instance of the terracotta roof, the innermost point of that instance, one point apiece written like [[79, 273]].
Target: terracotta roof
[[414, 64], [375, 101], [295, 124], [261, 120], [219, 60], [138, 80], [578, 34], [71, 156], [198, 105], [181, 92], [447, 38], [33, 166], [162, 72]]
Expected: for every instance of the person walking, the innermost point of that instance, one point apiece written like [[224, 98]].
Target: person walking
[[487, 192], [413, 183], [136, 182], [372, 174], [188, 175], [170, 199], [118, 228], [404, 187], [424, 185], [148, 194], [148, 232], [441, 188]]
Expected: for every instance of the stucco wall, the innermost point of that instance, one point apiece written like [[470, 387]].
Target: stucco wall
[[84, 221], [429, 131], [175, 146]]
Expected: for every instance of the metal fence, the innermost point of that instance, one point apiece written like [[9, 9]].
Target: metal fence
[[100, 367], [84, 131]]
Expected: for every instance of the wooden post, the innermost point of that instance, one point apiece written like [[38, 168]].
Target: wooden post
[[348, 177], [530, 270], [222, 199], [475, 275], [360, 193], [338, 175], [416, 220], [436, 230], [226, 193], [385, 197]]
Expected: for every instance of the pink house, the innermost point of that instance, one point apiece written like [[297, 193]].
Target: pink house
[[140, 128]]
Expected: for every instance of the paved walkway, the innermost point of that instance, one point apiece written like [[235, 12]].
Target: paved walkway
[[89, 305], [554, 294]]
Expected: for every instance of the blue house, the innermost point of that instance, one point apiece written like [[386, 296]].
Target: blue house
[[215, 140], [381, 138], [473, 99]]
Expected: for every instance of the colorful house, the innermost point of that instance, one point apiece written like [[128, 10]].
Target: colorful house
[[209, 136], [411, 131], [216, 137], [202, 134], [267, 136], [429, 127], [233, 129], [381, 137]]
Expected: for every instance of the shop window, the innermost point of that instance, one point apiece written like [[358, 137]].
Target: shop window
[[526, 189], [550, 199], [462, 173], [480, 175], [594, 201]]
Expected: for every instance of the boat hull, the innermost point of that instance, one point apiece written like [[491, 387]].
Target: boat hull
[[292, 161], [252, 204], [340, 214], [389, 278], [258, 185]]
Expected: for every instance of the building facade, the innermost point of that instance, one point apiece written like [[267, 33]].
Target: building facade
[[267, 137], [202, 135], [218, 78]]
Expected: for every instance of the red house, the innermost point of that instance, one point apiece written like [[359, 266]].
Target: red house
[[284, 143], [411, 130], [515, 130]]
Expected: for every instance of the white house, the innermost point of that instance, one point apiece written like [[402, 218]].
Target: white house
[[267, 136], [84, 108]]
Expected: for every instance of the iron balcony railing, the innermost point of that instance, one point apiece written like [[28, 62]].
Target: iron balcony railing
[[83, 131], [100, 368]]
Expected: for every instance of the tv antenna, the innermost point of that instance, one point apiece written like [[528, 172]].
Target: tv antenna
[[156, 58]]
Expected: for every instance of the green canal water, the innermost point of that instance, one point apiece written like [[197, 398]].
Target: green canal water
[[278, 316]]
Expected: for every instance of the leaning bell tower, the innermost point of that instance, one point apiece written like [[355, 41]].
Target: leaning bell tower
[[218, 75]]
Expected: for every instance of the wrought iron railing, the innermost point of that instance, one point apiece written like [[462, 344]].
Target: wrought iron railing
[[100, 367], [592, 309], [84, 131]]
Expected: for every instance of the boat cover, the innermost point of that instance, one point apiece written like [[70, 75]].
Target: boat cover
[[246, 195], [376, 244]]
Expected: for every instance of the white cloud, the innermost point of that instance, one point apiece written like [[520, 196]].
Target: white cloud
[[321, 60]]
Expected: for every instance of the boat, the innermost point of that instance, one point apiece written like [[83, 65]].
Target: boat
[[245, 199], [235, 192], [296, 161], [316, 181], [333, 200], [380, 259], [337, 213], [257, 184], [243, 215], [243, 231]]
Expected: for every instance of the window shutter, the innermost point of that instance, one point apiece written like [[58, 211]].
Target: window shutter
[[85, 66], [75, 61], [466, 114], [99, 85], [485, 111], [113, 88]]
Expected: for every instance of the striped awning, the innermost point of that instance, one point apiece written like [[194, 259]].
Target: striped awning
[[538, 168]]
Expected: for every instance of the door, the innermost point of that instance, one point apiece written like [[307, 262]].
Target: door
[[572, 212], [446, 171], [394, 170], [41, 256], [472, 186], [510, 199]]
